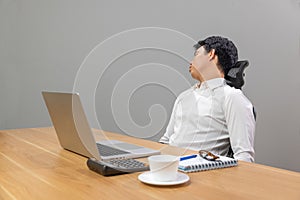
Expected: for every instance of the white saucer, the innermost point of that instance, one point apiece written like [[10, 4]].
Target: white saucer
[[147, 178]]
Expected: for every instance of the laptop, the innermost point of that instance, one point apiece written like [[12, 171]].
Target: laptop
[[75, 134]]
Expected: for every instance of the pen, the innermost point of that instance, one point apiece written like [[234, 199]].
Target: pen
[[188, 157]]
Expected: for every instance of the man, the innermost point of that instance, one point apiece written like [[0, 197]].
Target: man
[[212, 115]]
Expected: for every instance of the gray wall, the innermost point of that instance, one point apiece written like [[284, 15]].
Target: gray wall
[[44, 43]]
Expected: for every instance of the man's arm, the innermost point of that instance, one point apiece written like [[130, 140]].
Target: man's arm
[[241, 125]]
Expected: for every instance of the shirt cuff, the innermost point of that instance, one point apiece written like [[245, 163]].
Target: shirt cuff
[[164, 140], [244, 156]]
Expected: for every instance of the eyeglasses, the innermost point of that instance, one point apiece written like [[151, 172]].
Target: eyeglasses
[[208, 155], [196, 52]]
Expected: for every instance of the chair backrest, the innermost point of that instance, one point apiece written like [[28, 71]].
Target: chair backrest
[[235, 76]]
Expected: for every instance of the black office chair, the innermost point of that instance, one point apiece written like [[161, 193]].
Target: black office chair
[[235, 78]]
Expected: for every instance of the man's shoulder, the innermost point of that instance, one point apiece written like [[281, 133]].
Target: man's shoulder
[[233, 94], [232, 91]]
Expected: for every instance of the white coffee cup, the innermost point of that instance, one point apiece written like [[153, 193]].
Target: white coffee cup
[[163, 167]]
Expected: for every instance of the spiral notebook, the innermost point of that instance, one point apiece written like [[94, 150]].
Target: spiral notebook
[[200, 164]]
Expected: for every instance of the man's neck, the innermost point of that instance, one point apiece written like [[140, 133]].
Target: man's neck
[[209, 77], [211, 72]]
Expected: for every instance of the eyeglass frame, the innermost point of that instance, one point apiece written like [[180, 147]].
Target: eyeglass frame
[[196, 52], [208, 155]]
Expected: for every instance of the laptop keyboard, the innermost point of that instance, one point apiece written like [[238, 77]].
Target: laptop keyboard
[[116, 166], [124, 165], [109, 151], [128, 164]]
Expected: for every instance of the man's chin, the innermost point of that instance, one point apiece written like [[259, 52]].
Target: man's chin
[[194, 76]]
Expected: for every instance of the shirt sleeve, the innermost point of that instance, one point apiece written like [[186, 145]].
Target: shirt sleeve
[[241, 125], [170, 128]]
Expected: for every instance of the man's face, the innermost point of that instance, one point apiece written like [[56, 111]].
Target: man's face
[[199, 63]]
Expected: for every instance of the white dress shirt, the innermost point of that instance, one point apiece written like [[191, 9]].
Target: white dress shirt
[[213, 117]]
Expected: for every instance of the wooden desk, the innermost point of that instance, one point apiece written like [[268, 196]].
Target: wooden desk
[[34, 166]]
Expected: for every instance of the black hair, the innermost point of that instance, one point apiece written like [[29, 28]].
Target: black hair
[[224, 48]]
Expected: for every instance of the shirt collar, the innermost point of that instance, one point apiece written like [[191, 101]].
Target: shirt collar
[[211, 84]]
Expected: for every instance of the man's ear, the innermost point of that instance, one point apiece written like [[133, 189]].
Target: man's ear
[[212, 54]]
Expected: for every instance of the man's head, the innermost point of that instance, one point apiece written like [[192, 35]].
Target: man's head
[[214, 57]]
